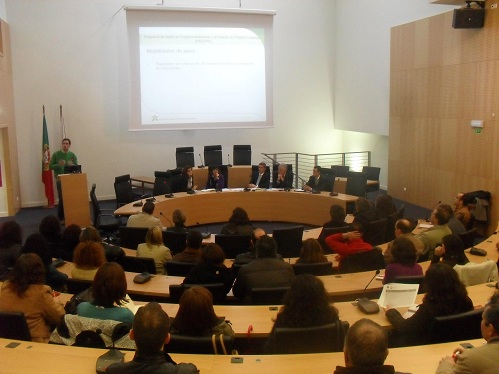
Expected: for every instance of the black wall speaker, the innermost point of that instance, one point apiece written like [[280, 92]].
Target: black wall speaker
[[468, 18]]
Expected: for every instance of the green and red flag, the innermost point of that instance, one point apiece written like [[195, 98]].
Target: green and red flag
[[46, 172]]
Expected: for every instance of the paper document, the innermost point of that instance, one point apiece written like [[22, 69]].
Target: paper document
[[398, 295], [425, 225]]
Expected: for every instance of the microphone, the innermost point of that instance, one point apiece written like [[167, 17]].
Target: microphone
[[202, 163], [432, 209], [171, 224], [364, 304], [228, 161], [206, 234], [138, 203]]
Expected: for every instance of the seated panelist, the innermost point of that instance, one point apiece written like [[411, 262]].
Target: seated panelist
[[260, 178], [186, 182], [284, 178], [215, 180], [316, 182]]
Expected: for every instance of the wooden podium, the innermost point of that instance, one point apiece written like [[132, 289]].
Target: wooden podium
[[75, 197]]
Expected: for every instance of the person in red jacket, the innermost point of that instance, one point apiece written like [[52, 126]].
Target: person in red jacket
[[348, 243]]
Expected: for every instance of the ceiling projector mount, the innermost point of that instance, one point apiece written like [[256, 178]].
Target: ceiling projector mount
[[480, 3]]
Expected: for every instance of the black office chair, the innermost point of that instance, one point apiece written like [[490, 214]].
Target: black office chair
[[316, 339], [356, 186], [289, 240], [329, 176], [375, 232], [241, 155], [412, 279], [177, 268], [327, 231], [138, 264], [341, 171], [184, 156], [162, 184], [371, 173], [13, 325], [198, 344], [468, 237], [217, 290], [123, 190], [362, 261], [75, 286], [104, 220], [457, 327], [320, 268], [233, 245], [175, 241], [213, 155], [131, 237], [268, 295]]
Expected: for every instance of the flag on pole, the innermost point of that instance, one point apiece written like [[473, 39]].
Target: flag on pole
[[46, 172], [63, 125]]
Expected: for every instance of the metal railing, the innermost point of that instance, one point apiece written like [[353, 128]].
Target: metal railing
[[303, 163]]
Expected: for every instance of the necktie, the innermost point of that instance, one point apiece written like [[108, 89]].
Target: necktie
[[258, 180]]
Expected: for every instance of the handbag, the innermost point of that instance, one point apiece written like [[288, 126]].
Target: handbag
[[71, 306]]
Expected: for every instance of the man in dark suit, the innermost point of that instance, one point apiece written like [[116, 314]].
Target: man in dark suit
[[284, 179], [260, 178], [316, 182], [265, 271]]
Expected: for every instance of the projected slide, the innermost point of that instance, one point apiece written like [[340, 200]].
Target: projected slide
[[202, 75]]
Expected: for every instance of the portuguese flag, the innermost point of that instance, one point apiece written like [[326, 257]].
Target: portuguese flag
[[46, 172]]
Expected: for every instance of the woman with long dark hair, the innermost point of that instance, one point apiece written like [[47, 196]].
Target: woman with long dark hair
[[311, 252], [451, 252], [404, 261], [239, 223]]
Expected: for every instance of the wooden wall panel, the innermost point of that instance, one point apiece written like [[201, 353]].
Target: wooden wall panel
[[441, 79]]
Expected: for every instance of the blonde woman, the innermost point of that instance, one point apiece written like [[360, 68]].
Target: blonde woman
[[154, 248]]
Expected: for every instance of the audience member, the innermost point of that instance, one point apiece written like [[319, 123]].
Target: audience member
[[451, 252], [337, 213], [365, 212], [10, 246], [455, 225], [384, 206], [311, 252], [178, 218], [445, 295], [150, 331], [109, 295], [316, 182], [239, 223], [404, 261], [186, 182], [366, 349], [433, 236], [211, 270], [260, 178], [70, 238], [403, 229], [348, 243], [155, 249], [215, 180], [462, 210], [50, 228], [192, 251], [36, 243], [284, 178], [144, 218], [87, 259], [265, 271], [247, 257], [482, 359], [112, 252], [26, 292], [196, 316]]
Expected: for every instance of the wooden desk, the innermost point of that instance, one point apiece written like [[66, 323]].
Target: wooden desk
[[270, 205], [35, 358], [340, 184], [143, 181]]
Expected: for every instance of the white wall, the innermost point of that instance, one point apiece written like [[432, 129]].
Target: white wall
[[74, 53], [3, 13]]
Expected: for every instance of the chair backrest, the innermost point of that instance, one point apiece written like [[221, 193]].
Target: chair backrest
[[456, 327], [213, 155], [138, 264], [375, 232], [197, 344], [341, 170], [289, 240], [320, 268], [95, 205], [371, 172], [268, 295], [75, 286], [327, 231], [131, 237], [316, 339], [412, 279], [161, 183], [217, 290], [468, 237], [13, 325], [362, 261], [175, 182], [184, 156], [329, 176], [390, 224], [175, 241], [177, 268], [473, 273], [123, 190], [241, 155], [356, 186], [233, 245]]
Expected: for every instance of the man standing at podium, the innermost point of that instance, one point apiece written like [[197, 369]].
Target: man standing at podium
[[59, 160]]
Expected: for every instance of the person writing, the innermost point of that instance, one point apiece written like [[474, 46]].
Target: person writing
[[59, 160]]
